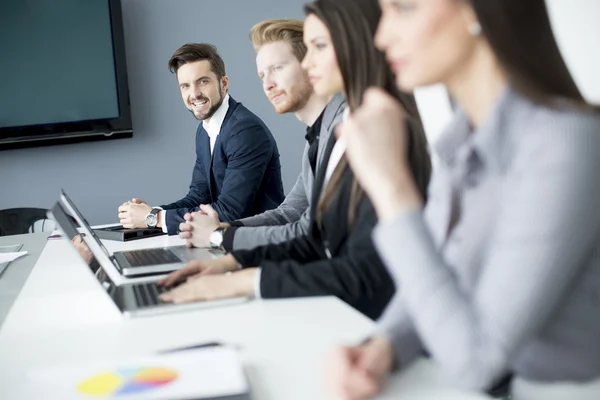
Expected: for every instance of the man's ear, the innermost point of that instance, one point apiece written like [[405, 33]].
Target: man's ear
[[224, 84]]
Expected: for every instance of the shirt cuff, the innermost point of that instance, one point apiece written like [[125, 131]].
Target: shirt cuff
[[407, 346], [257, 283], [163, 219], [228, 237]]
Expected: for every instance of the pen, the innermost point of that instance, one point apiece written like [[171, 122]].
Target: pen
[[59, 236], [195, 346]]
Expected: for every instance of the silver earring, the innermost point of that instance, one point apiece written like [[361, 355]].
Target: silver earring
[[475, 29]]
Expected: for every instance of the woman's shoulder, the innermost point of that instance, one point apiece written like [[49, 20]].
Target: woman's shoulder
[[558, 117], [559, 132]]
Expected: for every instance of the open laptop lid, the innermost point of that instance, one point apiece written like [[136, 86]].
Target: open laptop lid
[[69, 226], [95, 245]]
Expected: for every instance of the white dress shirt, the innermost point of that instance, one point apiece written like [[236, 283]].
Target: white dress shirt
[[213, 125], [339, 148], [213, 128]]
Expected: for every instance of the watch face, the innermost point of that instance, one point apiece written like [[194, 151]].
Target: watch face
[[216, 239], [151, 220]]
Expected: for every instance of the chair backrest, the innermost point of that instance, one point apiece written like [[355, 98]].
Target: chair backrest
[[16, 221], [43, 225]]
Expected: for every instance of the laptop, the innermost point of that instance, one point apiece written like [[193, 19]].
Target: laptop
[[136, 263], [132, 299]]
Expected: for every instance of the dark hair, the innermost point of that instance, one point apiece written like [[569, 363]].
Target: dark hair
[[352, 25], [192, 52], [520, 35]]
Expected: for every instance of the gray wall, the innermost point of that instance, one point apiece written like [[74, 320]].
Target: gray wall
[[156, 164]]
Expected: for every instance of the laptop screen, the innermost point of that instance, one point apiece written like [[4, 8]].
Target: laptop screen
[[70, 227], [84, 222], [102, 255]]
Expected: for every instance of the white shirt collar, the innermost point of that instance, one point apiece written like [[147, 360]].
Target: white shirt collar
[[339, 148], [346, 114], [213, 127]]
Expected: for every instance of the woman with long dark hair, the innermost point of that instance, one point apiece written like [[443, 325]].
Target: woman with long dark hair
[[500, 272], [337, 257]]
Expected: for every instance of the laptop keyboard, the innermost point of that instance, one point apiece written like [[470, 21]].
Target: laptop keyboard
[[151, 257], [146, 294]]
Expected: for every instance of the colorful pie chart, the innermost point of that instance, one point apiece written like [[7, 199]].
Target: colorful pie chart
[[126, 381]]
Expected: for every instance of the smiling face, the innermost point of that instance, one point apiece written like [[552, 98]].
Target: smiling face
[[320, 61], [201, 90], [284, 82], [426, 41]]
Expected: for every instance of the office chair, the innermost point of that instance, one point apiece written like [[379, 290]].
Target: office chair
[[16, 221]]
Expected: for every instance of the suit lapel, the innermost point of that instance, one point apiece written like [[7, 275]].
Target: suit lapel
[[333, 115], [205, 150], [320, 176], [232, 106]]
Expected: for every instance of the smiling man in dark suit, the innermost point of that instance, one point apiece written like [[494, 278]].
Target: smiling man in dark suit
[[237, 169]]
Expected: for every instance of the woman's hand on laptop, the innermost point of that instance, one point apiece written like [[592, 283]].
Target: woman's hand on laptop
[[213, 287], [198, 268]]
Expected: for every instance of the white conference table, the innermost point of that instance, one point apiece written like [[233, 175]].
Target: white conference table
[[63, 315]]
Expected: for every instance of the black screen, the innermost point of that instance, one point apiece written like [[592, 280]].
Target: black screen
[[58, 62], [63, 70]]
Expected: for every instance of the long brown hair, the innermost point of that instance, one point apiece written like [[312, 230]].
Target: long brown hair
[[520, 35], [352, 25]]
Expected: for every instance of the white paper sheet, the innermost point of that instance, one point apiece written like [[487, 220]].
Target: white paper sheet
[[192, 374], [8, 257]]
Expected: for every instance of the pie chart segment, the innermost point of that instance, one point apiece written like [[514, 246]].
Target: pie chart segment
[[103, 384], [158, 376], [127, 381]]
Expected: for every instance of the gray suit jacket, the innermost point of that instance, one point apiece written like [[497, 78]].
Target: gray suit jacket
[[502, 270], [291, 218]]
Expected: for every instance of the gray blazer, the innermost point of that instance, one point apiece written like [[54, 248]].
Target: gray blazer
[[291, 218], [501, 272]]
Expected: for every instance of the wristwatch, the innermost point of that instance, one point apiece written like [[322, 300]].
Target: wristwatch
[[216, 238], [152, 218]]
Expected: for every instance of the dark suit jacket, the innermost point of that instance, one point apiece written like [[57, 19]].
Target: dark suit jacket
[[243, 176], [301, 267]]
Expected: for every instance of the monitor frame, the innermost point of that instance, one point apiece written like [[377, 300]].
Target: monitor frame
[[88, 130]]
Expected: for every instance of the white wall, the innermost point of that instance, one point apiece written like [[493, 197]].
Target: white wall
[[577, 30], [435, 109]]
